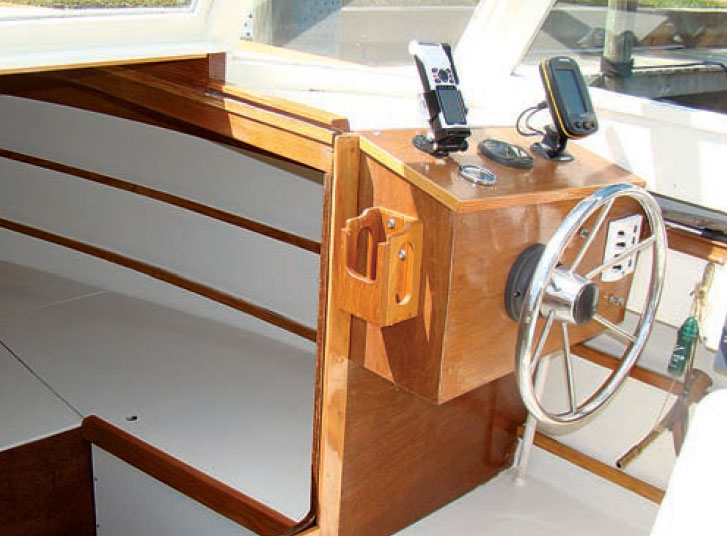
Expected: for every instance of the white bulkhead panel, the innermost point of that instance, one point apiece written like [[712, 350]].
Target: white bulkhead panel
[[129, 502]]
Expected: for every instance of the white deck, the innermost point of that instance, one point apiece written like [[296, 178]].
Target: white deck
[[557, 499], [28, 409], [234, 404]]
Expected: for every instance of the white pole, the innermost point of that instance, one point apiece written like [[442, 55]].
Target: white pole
[[522, 459]]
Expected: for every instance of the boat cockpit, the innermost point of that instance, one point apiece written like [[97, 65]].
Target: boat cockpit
[[361, 268]]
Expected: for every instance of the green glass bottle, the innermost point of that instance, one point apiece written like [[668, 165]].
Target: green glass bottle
[[686, 339]]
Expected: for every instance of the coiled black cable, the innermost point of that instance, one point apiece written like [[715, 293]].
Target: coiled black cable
[[528, 113]]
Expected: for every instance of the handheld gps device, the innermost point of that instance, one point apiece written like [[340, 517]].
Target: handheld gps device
[[567, 97], [446, 107]]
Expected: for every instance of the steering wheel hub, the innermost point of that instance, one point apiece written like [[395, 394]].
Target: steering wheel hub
[[570, 297]]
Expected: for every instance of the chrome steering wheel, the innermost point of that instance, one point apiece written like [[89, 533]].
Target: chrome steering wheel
[[565, 295]]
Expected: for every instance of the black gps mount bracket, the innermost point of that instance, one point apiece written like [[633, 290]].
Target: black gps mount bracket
[[552, 146], [440, 141], [441, 147]]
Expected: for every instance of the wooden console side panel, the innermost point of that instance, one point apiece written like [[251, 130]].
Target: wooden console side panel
[[46, 488], [407, 353], [406, 457], [480, 339]]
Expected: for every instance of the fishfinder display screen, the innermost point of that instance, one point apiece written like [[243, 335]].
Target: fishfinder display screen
[[569, 89], [452, 105]]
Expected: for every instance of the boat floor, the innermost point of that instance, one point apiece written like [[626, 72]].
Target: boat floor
[[558, 498], [233, 404]]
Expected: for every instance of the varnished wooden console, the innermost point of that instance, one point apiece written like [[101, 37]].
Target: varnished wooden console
[[417, 413], [462, 337]]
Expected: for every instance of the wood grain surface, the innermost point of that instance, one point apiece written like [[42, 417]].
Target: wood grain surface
[[696, 246], [409, 353], [282, 135], [405, 457], [46, 488], [440, 178], [333, 363], [381, 272], [278, 104], [97, 64], [480, 337]]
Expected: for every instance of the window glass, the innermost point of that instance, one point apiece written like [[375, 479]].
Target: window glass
[[371, 32], [19, 9], [669, 50]]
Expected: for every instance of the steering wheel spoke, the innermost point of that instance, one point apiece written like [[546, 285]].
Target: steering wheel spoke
[[613, 329], [592, 235], [569, 368], [622, 257], [541, 342]]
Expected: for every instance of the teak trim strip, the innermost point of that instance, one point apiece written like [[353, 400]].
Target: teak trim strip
[[170, 199], [597, 467], [641, 374], [171, 278], [696, 246], [97, 64], [234, 106], [332, 388], [184, 478], [299, 141], [277, 104]]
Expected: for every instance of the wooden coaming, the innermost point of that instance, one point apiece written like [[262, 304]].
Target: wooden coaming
[[187, 95], [275, 133]]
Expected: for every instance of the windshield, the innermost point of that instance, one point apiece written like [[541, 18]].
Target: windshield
[[14, 9], [670, 50], [370, 32]]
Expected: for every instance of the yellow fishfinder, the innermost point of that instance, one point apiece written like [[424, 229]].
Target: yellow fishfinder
[[567, 98]]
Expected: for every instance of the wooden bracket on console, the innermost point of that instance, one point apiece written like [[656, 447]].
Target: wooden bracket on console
[[382, 269]]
